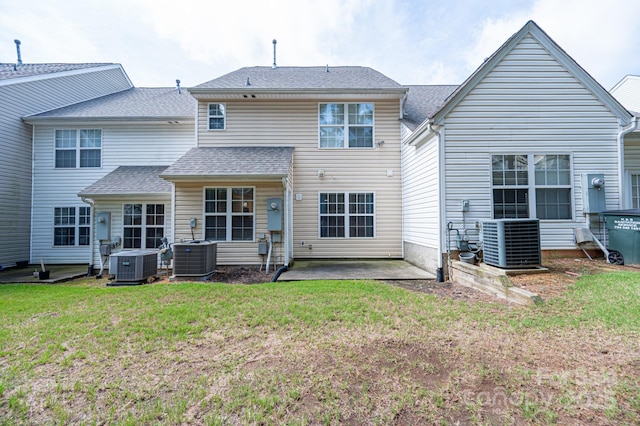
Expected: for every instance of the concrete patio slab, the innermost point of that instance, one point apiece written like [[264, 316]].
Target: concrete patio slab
[[354, 270], [57, 273]]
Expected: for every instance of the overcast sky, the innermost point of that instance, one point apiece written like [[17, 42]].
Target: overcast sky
[[411, 41]]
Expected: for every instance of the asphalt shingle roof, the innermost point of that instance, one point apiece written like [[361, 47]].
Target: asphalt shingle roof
[[232, 162], [302, 78], [9, 71], [162, 102], [130, 180], [423, 102]]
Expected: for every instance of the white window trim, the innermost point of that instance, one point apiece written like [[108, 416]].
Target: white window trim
[[143, 227], [229, 213], [77, 148], [345, 126], [224, 117], [347, 215], [531, 186], [76, 226]]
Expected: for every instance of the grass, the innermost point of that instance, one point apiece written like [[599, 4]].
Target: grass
[[320, 352]]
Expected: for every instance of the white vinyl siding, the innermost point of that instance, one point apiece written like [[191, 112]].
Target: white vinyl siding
[[295, 123], [20, 98], [126, 145], [528, 104]]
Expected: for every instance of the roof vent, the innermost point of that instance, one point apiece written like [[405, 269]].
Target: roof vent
[[274, 66], [17, 42], [248, 83], [327, 69], [178, 87]]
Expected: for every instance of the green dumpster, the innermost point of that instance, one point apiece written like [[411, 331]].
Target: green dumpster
[[623, 236]]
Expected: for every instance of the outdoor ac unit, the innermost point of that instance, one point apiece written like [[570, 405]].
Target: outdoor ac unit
[[133, 266], [511, 243], [194, 258]]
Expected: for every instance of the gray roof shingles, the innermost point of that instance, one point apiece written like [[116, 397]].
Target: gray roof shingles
[[423, 102], [309, 78], [161, 102], [130, 180], [10, 71], [232, 162]]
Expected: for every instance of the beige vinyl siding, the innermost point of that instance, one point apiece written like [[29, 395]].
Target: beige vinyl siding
[[189, 198], [133, 145], [528, 104], [18, 99], [295, 123]]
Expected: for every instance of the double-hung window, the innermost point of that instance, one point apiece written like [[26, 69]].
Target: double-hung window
[[635, 191], [216, 114], [346, 125], [347, 215], [78, 148], [71, 226], [229, 214], [532, 186], [143, 226]]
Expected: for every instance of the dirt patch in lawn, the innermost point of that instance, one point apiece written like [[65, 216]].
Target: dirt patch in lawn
[[562, 273]]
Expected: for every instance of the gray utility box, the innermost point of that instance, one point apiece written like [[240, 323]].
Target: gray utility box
[[623, 236], [593, 195]]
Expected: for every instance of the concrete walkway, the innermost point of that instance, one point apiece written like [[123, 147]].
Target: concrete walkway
[[354, 270]]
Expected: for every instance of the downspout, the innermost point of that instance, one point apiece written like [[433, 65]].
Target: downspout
[[33, 188], [441, 198], [91, 203], [633, 126]]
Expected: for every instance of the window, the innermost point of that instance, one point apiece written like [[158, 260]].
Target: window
[[229, 214], [216, 115], [347, 215], [72, 226], [139, 220], [346, 125], [531, 186], [78, 148], [635, 191]]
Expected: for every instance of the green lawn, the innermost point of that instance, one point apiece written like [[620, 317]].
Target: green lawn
[[322, 352]]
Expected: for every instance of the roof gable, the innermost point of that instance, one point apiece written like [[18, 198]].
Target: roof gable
[[533, 30]]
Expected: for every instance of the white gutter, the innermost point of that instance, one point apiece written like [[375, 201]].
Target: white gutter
[[630, 128]]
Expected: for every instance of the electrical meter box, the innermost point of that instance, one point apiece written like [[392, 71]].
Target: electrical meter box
[[593, 194], [274, 214], [103, 226]]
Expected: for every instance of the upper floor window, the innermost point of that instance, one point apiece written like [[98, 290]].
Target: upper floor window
[[78, 148], [346, 125], [531, 186], [72, 226], [217, 116]]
